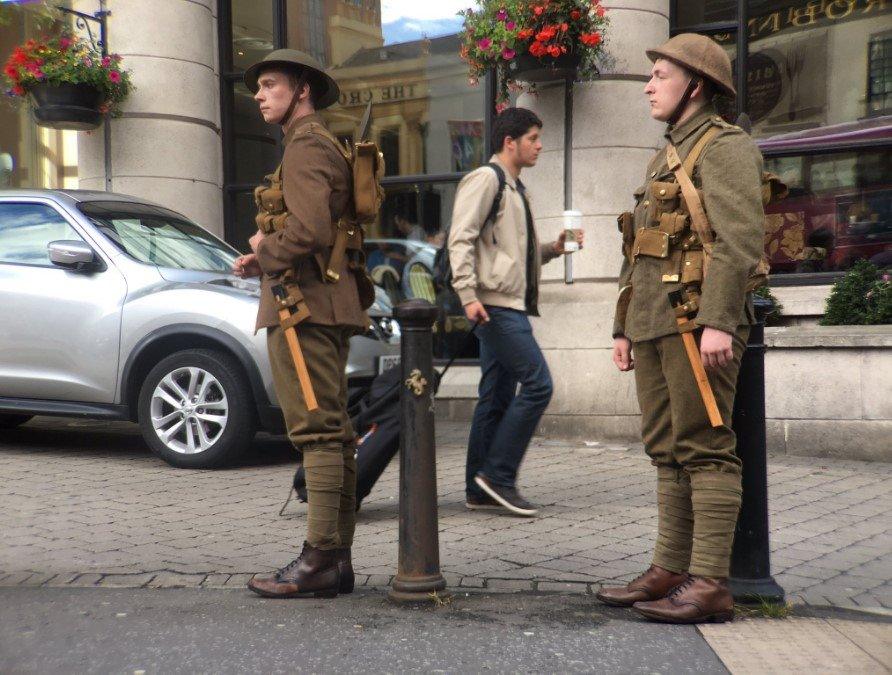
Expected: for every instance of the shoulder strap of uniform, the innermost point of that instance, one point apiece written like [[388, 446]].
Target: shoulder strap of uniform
[[682, 173], [321, 131]]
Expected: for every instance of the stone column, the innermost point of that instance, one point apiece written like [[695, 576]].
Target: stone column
[[167, 145], [614, 138]]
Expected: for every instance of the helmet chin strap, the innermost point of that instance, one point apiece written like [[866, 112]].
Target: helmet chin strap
[[683, 102], [295, 98]]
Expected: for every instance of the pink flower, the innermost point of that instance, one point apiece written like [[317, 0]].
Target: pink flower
[[484, 44], [88, 62], [510, 25], [502, 15], [64, 43], [508, 54], [106, 61], [114, 76], [500, 107]]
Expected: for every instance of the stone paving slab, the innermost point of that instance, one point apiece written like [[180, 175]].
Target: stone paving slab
[[85, 503], [801, 645]]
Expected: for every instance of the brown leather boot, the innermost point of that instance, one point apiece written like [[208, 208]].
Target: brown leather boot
[[314, 574], [345, 567], [655, 583], [697, 600]]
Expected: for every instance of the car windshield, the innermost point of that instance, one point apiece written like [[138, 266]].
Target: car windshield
[[159, 237]]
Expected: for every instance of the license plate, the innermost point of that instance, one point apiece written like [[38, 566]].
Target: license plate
[[388, 361]]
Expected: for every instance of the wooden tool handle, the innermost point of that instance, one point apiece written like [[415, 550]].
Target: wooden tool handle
[[300, 364], [712, 408]]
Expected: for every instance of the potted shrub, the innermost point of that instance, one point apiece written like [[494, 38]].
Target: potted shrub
[[70, 84], [533, 40]]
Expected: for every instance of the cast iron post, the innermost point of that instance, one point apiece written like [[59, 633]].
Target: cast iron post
[[418, 576], [751, 558]]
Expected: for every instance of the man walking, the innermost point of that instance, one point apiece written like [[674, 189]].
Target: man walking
[[496, 261], [299, 216], [697, 228]]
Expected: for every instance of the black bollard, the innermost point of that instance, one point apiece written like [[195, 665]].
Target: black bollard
[[751, 558], [418, 577]]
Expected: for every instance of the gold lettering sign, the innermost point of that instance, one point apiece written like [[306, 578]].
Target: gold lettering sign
[[384, 94], [811, 14]]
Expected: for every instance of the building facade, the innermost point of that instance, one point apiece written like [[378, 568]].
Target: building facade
[[816, 84]]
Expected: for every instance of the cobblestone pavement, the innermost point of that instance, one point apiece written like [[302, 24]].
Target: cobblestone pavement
[[84, 503]]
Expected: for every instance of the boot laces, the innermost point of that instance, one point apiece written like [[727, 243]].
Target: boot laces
[[681, 587], [292, 566]]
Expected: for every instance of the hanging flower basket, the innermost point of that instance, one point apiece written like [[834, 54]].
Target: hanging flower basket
[[528, 68], [69, 83], [533, 41], [66, 106]]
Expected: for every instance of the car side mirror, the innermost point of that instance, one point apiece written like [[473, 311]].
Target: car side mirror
[[73, 255]]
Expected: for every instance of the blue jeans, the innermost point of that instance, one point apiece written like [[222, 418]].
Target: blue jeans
[[504, 421]]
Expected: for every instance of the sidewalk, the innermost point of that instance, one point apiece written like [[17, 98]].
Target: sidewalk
[[85, 504]]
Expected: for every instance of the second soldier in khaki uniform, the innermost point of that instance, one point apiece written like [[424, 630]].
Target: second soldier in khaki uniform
[[299, 213], [698, 471]]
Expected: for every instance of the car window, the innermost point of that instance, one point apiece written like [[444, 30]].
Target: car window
[[26, 229], [160, 237]]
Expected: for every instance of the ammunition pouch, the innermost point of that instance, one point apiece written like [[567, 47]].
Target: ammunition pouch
[[651, 242], [663, 198]]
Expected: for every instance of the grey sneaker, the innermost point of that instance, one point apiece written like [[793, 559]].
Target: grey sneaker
[[508, 497]]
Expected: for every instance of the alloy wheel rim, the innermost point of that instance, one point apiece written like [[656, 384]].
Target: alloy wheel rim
[[189, 410]]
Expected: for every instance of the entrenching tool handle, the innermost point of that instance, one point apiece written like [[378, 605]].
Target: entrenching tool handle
[[300, 365], [690, 346]]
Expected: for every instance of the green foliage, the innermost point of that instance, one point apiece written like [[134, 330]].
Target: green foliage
[[773, 317], [862, 297]]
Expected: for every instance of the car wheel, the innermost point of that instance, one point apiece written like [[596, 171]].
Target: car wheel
[[13, 421], [195, 409]]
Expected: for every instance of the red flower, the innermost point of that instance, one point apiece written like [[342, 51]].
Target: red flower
[[18, 90], [114, 76], [537, 49], [538, 10], [591, 39], [564, 27], [525, 34], [11, 72], [575, 14], [64, 43], [599, 10], [554, 50]]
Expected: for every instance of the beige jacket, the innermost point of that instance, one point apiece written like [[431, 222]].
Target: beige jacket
[[491, 267]]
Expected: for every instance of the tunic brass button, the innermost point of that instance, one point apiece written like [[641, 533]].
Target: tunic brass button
[[647, 202], [662, 192]]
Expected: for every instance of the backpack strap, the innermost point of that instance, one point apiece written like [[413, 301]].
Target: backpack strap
[[699, 222], [497, 201]]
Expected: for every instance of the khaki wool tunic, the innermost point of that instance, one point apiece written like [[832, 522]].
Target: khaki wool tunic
[[318, 187], [729, 173]]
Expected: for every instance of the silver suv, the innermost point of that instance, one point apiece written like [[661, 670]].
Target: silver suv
[[113, 307]]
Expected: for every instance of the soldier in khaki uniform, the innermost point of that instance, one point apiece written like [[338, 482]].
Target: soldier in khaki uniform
[[698, 472], [299, 213]]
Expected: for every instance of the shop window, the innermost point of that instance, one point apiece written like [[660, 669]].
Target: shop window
[[809, 61], [697, 12], [839, 211]]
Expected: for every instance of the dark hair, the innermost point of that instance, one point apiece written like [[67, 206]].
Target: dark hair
[[513, 122]]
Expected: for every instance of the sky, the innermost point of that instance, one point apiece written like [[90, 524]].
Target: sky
[[428, 10]]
